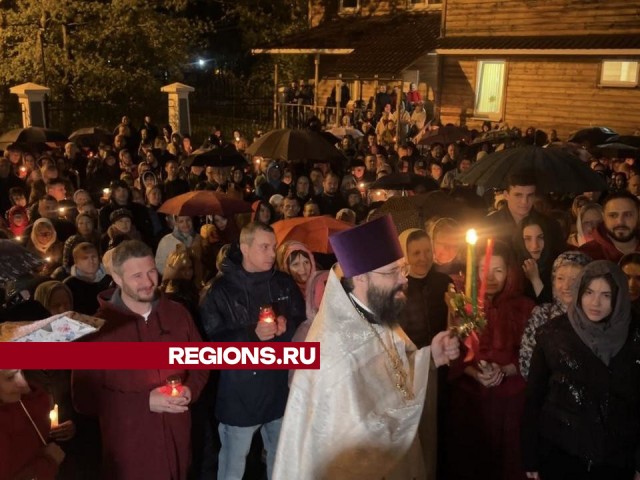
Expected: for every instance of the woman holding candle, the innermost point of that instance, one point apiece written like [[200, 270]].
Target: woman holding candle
[[24, 416], [487, 391], [44, 243], [582, 416]]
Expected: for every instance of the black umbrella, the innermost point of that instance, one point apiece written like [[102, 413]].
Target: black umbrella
[[32, 135], [617, 149], [296, 146], [495, 136], [404, 181], [226, 156], [91, 137], [555, 169], [633, 140], [16, 261], [445, 135], [592, 136]]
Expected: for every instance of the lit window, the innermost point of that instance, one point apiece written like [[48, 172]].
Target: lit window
[[619, 74], [490, 88], [349, 5]]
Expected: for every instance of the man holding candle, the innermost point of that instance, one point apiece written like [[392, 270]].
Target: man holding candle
[[358, 416], [145, 430], [230, 312]]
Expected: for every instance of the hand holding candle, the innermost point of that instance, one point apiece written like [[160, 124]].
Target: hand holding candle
[[53, 416]]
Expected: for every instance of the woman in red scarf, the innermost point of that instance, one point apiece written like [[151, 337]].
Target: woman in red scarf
[[487, 393]]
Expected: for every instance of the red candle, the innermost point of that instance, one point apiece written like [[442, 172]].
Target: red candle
[[266, 314], [174, 385], [485, 270]]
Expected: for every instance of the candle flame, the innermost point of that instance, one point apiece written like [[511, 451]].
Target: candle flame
[[48, 259], [106, 191], [472, 236], [362, 185], [18, 238], [61, 210], [175, 392]]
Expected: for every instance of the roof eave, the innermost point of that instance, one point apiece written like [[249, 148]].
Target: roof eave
[[301, 51], [540, 51]]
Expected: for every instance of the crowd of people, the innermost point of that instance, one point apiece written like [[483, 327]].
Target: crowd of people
[[550, 390]]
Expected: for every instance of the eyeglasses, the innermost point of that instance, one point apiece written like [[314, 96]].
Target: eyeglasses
[[403, 271]]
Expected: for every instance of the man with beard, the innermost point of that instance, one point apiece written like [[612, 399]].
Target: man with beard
[[359, 413], [145, 432], [618, 234]]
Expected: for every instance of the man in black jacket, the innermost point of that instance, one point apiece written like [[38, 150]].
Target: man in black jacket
[[250, 400]]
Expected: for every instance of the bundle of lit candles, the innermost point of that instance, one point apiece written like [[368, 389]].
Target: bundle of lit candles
[[471, 278]]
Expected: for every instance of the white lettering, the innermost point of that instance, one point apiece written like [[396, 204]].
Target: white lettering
[[311, 358], [176, 355], [290, 355]]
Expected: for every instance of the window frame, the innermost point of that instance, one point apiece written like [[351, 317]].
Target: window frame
[[497, 115], [619, 83]]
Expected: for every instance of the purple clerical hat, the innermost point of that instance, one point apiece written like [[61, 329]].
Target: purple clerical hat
[[367, 247]]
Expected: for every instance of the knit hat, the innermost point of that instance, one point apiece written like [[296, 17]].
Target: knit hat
[[380, 236], [120, 213]]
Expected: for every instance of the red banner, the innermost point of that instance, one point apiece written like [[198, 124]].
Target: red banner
[[159, 356]]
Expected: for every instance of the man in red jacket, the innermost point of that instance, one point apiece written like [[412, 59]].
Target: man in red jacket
[[618, 234], [145, 432]]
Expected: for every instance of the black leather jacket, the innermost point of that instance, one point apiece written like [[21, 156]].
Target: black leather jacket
[[229, 313]]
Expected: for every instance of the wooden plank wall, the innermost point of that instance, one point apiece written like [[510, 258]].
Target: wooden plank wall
[[541, 17], [559, 94]]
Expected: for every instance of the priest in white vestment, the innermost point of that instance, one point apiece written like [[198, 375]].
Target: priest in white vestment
[[357, 416]]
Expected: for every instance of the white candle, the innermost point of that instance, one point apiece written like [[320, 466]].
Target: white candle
[[53, 416]]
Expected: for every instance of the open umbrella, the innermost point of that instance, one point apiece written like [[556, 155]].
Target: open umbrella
[[555, 169], [495, 136], [618, 150], [633, 140], [204, 202], [404, 181], [226, 156], [414, 211], [32, 135], [341, 132], [445, 135], [16, 261], [592, 136], [295, 146], [314, 232], [91, 137]]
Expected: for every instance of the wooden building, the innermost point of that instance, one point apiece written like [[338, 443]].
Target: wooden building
[[552, 64], [369, 43]]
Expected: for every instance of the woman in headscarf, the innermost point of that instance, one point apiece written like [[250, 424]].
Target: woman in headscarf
[[296, 260], [44, 243], [54, 296], [184, 233], [18, 219], [582, 416], [589, 217], [566, 270], [487, 390]]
